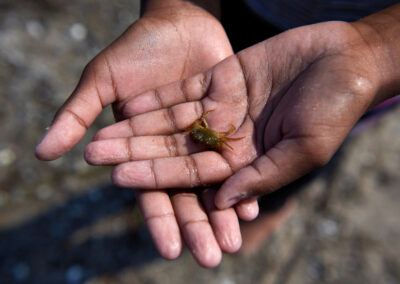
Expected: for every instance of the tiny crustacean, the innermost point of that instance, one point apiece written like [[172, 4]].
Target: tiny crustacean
[[200, 133]]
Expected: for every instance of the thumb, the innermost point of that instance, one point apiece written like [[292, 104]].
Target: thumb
[[280, 165], [94, 91]]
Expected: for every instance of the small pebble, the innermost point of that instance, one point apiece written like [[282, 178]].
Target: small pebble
[[35, 29], [78, 32], [227, 281], [7, 157], [328, 228]]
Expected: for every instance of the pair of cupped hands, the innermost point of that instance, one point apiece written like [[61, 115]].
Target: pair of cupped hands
[[293, 98]]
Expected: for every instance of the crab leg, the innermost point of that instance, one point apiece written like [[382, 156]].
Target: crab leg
[[227, 145], [233, 139], [203, 118], [226, 133]]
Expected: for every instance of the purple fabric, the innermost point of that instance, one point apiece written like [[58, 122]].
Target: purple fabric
[[373, 116], [286, 14]]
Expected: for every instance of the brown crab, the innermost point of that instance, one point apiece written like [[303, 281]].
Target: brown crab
[[200, 133]]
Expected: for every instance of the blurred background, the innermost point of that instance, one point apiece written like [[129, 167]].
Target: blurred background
[[63, 221]]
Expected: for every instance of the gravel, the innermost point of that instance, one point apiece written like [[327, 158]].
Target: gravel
[[63, 222]]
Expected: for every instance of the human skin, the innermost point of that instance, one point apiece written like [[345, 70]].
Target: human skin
[[294, 97], [171, 41]]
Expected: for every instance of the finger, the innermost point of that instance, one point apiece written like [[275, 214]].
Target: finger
[[247, 209], [196, 229], [79, 111], [121, 150], [164, 121], [191, 89], [284, 163], [176, 172], [158, 214], [224, 223], [180, 172]]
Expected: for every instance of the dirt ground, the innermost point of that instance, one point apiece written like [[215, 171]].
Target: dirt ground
[[63, 221]]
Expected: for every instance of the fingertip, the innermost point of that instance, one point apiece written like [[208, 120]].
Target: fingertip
[[226, 229], [238, 187], [172, 250], [224, 224], [201, 241], [231, 242], [165, 234], [64, 134], [225, 200], [247, 209], [210, 259], [158, 215], [48, 150], [117, 176], [39, 153], [106, 152], [89, 154]]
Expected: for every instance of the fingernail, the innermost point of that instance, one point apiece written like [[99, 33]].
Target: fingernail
[[40, 143], [37, 148], [44, 135], [230, 201]]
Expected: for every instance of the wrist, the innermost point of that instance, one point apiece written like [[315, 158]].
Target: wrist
[[381, 33]]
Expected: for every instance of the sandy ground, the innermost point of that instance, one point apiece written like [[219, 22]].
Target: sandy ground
[[63, 221]]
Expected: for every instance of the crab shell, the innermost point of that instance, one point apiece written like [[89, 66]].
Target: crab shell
[[207, 137]]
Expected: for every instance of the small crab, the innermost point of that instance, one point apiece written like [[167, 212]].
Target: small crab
[[200, 133]]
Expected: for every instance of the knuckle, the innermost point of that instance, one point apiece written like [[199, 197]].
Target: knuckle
[[192, 171], [170, 118], [195, 87], [361, 88]]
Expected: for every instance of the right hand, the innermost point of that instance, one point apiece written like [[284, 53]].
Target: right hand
[[163, 46]]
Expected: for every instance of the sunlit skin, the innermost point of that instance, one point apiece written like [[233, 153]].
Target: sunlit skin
[[166, 44], [293, 98], [200, 133]]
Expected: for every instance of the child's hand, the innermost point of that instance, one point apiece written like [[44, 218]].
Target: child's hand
[[165, 45], [293, 99]]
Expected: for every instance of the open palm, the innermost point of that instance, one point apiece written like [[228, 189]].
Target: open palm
[[293, 98], [163, 46]]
